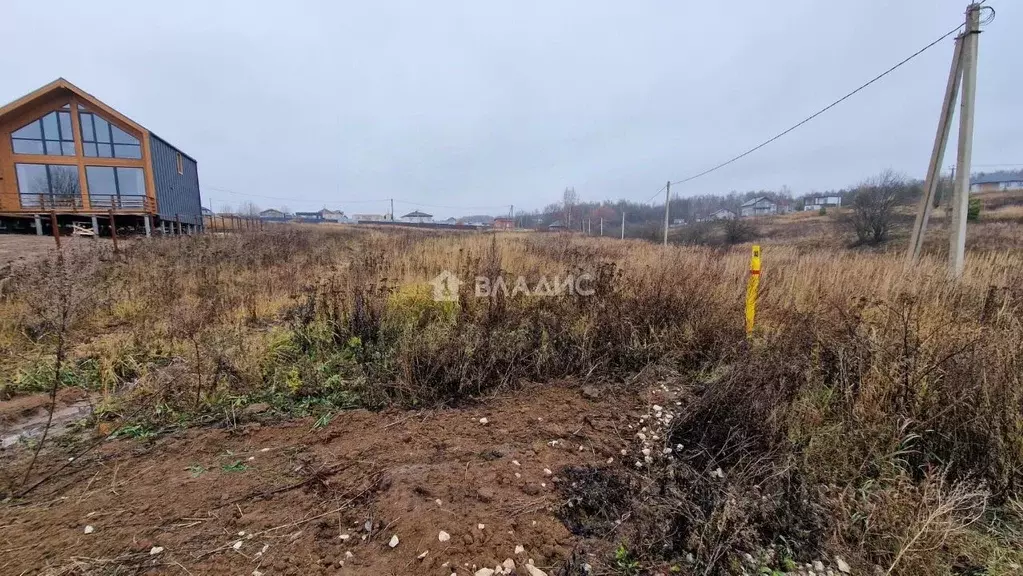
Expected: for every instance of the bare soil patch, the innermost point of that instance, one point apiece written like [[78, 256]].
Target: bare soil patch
[[299, 499]]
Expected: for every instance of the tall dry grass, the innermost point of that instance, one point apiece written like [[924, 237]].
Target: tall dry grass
[[875, 412]]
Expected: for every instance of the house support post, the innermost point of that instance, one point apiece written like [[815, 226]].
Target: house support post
[[39, 225], [95, 228], [149, 225]]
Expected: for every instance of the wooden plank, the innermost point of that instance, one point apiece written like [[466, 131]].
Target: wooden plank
[[148, 169]]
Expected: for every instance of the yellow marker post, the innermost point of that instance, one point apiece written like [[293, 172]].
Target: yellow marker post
[[752, 288]]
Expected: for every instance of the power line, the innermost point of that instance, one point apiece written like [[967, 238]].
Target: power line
[[819, 112]]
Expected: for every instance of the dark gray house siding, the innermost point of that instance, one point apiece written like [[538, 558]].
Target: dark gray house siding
[[176, 194]]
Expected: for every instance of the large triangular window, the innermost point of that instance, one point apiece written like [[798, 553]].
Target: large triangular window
[[50, 135], [101, 139]]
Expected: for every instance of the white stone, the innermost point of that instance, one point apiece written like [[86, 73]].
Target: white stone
[[842, 566], [508, 565], [423, 555], [519, 549], [257, 573], [443, 536], [818, 565], [237, 545], [534, 571], [438, 502], [484, 421], [516, 462], [481, 526], [484, 572], [345, 536], [89, 529], [349, 555], [394, 541], [155, 550], [645, 451], [547, 471]]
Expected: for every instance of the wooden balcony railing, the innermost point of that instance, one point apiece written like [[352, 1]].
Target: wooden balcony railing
[[107, 201], [73, 202]]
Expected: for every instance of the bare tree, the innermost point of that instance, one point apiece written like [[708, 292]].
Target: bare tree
[[248, 208], [569, 199], [873, 206], [225, 209]]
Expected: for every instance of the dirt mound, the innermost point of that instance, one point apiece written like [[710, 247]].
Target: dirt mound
[[294, 498]]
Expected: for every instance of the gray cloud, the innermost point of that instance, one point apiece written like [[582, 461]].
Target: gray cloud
[[488, 104]]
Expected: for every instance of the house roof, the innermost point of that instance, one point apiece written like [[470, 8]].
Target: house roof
[[271, 211], [753, 201], [62, 84], [417, 214], [720, 210], [996, 177], [556, 224]]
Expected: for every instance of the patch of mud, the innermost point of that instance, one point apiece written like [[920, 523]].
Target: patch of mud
[[24, 418]]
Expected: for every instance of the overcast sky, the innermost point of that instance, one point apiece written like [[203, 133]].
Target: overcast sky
[[482, 103]]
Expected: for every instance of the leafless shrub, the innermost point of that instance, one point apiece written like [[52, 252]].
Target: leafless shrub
[[873, 205], [60, 292]]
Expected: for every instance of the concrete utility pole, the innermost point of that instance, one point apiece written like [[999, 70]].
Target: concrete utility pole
[[667, 203], [962, 75], [392, 209], [937, 152], [623, 224], [601, 225], [961, 199]]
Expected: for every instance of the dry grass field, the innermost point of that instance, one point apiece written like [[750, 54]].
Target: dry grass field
[[301, 392]]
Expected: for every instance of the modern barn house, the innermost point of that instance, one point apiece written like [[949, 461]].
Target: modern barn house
[[66, 154]]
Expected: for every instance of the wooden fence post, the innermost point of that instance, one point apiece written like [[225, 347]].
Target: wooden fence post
[[113, 229], [55, 227]]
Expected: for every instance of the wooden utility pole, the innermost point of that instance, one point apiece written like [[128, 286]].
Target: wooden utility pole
[[667, 203], [392, 209], [623, 224], [961, 198]]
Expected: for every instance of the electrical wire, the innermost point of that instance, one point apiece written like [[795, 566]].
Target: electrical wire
[[819, 112]]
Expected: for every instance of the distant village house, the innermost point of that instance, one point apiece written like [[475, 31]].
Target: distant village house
[[821, 201], [761, 206], [417, 217], [504, 224], [996, 181]]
